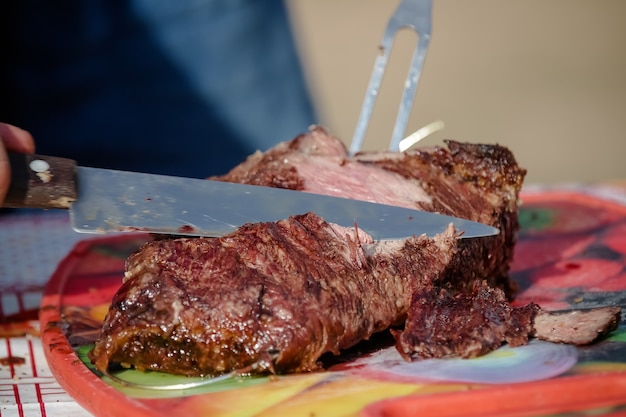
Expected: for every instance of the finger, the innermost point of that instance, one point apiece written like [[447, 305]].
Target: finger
[[16, 139], [5, 172]]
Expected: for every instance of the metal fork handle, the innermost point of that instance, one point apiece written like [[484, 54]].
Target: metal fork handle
[[416, 15]]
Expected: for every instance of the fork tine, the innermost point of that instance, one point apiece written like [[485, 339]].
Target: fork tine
[[372, 91], [414, 14], [408, 96]]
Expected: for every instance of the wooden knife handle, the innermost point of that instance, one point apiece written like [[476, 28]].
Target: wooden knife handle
[[39, 181]]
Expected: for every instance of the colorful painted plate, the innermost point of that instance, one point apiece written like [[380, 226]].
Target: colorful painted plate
[[571, 253]]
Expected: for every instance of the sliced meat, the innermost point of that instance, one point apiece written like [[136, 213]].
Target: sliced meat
[[466, 324], [577, 327], [473, 323]]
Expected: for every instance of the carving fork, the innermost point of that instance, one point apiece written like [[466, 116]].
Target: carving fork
[[416, 15]]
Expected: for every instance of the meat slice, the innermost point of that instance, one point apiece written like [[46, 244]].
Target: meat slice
[[269, 296], [577, 327], [466, 324], [476, 322]]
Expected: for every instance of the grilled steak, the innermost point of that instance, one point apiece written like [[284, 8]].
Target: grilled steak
[[269, 296], [276, 296]]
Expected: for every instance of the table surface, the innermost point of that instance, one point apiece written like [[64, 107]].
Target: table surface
[[32, 243]]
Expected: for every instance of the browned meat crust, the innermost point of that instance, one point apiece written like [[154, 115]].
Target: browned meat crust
[[271, 295]]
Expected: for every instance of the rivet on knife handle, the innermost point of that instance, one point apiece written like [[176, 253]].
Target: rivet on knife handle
[[39, 181]]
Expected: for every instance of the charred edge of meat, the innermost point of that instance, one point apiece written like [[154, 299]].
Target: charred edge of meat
[[487, 166]]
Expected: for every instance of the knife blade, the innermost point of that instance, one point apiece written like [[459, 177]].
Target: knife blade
[[103, 200]]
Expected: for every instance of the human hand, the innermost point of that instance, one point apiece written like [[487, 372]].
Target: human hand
[[14, 139]]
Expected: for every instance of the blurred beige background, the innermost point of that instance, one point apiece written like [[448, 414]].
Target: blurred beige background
[[547, 78]]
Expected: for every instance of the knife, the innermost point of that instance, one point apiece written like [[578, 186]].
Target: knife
[[103, 200]]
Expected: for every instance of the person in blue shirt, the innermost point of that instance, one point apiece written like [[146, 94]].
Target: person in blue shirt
[[186, 87]]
